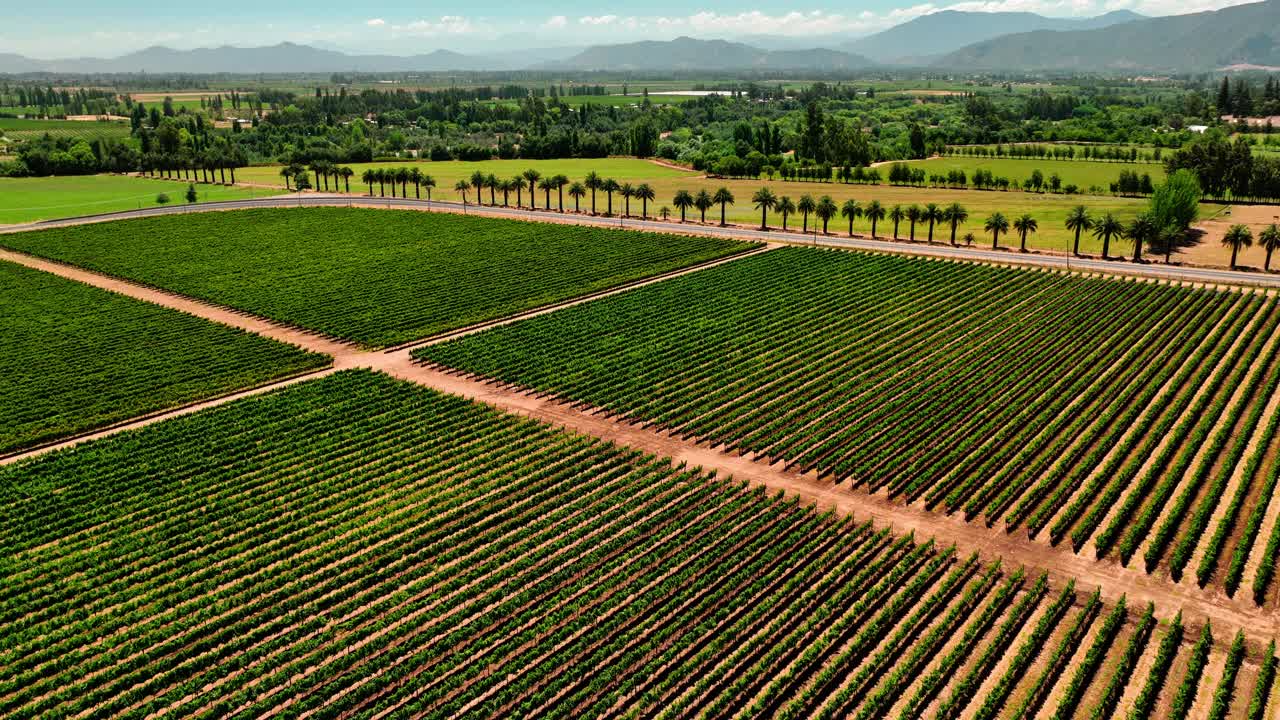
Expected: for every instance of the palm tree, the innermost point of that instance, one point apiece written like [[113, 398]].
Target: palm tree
[[627, 192], [683, 201], [462, 186], [532, 176], [369, 177], [593, 183], [518, 183], [477, 181], [1104, 229], [1237, 236], [1078, 220], [322, 175], [851, 210], [403, 176], [646, 194], [955, 214], [996, 224], [805, 207], [491, 181], [703, 201], [389, 175], [913, 215], [1142, 230], [764, 201], [785, 207], [287, 173], [874, 212], [381, 176], [415, 177], [560, 181], [933, 214], [344, 171], [610, 186], [1025, 225], [723, 198], [428, 182], [546, 185], [577, 191], [897, 215], [825, 210], [665, 212], [1269, 240]]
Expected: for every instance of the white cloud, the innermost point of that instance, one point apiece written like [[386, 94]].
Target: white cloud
[[376, 22], [555, 22], [598, 19], [446, 25]]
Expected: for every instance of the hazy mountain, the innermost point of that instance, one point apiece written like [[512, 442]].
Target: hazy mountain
[[915, 41], [685, 53], [282, 58], [1244, 34]]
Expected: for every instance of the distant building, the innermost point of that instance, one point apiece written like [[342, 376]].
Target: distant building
[[1272, 120], [1202, 129]]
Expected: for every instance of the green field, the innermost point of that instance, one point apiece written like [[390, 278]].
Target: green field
[[448, 173], [76, 358], [411, 554], [1081, 173], [377, 277], [989, 391], [87, 130], [24, 200]]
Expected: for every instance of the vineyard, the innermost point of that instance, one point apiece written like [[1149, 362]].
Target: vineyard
[[75, 358], [1131, 420], [86, 130], [370, 276], [366, 548]]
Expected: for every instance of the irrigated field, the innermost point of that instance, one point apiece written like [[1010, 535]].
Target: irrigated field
[[24, 200], [365, 548], [375, 277], [1081, 173], [1131, 419], [75, 358], [87, 130]]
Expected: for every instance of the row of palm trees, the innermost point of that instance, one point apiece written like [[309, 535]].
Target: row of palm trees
[[1142, 231], [1240, 236], [533, 181]]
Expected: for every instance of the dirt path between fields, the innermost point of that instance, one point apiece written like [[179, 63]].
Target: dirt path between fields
[[1015, 549]]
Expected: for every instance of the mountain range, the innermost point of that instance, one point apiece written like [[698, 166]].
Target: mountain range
[[685, 53], [936, 34], [1240, 35], [1119, 41]]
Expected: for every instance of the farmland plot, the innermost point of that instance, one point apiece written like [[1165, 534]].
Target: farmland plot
[[368, 548], [75, 358], [376, 277], [1133, 420]]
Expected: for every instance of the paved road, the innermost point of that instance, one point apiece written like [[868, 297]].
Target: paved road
[[1157, 271]]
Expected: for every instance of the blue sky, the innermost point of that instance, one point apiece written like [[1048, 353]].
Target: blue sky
[[70, 28]]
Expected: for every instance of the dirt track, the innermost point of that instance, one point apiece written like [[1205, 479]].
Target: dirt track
[[1015, 549]]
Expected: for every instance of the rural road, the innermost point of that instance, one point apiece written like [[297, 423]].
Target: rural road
[[1208, 276], [1015, 549]]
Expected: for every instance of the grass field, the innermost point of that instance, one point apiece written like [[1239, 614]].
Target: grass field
[[24, 200], [376, 277], [407, 553], [76, 358], [448, 173], [1132, 419], [1083, 174], [87, 130]]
